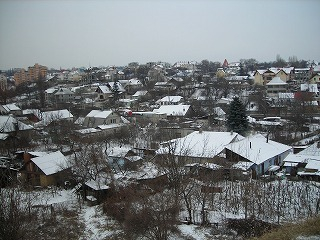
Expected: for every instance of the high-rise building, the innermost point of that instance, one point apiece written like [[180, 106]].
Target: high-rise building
[[34, 73], [20, 76], [3, 82]]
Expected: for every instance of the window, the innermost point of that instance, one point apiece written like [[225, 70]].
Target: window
[[113, 120]]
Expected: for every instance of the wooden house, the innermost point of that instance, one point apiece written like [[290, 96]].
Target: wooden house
[[46, 169]]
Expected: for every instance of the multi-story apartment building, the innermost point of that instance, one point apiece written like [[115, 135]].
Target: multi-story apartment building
[[302, 75], [34, 73], [20, 76], [3, 82]]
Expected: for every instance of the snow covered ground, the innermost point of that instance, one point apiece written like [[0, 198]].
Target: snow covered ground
[[99, 226]]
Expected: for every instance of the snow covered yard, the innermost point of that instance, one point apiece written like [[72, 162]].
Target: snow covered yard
[[62, 215], [94, 223]]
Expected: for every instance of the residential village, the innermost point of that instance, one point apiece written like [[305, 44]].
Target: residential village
[[157, 133]]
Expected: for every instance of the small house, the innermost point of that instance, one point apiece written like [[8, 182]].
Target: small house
[[305, 163], [258, 150], [47, 169], [96, 190], [122, 159], [97, 117]]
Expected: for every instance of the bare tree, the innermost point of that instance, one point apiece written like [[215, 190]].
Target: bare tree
[[16, 213], [89, 162], [152, 217]]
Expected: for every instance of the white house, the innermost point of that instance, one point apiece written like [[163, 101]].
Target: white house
[[63, 95], [259, 150], [103, 119], [199, 146], [175, 110], [170, 100]]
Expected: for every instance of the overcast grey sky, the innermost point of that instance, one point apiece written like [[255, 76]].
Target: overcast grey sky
[[70, 33]]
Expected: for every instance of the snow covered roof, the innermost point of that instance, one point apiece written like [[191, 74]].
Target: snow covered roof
[[36, 112], [219, 112], [261, 71], [288, 70], [313, 164], [203, 144], [224, 101], [38, 154], [163, 83], [99, 113], [64, 91], [147, 171], [173, 110], [312, 150], [276, 81], [8, 123], [51, 90], [51, 163], [257, 149], [50, 116], [79, 121], [296, 158], [199, 94], [105, 89], [11, 107], [310, 154], [171, 99], [274, 70], [140, 93], [120, 87], [131, 82]]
